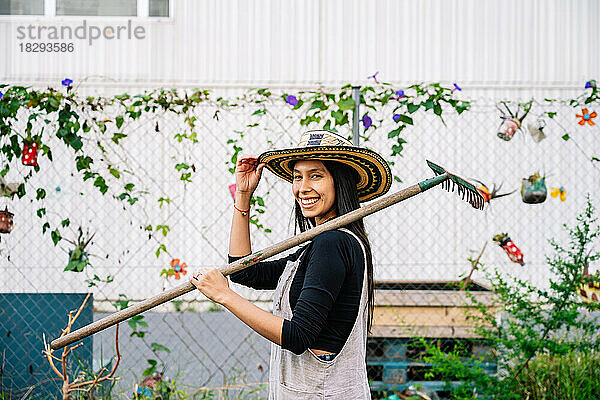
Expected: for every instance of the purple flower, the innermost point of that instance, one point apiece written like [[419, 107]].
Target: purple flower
[[396, 117], [590, 84], [400, 94], [367, 121], [456, 87], [291, 100], [374, 76], [1, 95], [67, 82]]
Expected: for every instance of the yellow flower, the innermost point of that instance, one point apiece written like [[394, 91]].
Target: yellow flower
[[556, 191]]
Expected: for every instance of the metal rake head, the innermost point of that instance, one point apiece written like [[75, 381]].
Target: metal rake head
[[467, 190]]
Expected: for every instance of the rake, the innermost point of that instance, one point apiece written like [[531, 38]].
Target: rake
[[448, 181]]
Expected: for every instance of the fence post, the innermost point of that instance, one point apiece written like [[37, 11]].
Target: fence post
[[355, 127]]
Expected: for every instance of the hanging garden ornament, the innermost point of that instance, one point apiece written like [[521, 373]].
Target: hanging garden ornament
[[6, 221], [561, 191], [178, 268], [586, 117], [487, 195], [533, 189], [589, 291], [30, 153], [536, 129], [232, 189], [511, 122], [513, 252]]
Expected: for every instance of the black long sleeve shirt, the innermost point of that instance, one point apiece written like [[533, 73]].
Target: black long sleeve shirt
[[325, 292]]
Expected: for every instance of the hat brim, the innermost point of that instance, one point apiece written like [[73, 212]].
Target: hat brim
[[374, 172]]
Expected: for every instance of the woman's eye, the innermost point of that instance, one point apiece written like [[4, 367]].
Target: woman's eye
[[315, 176], [297, 177]]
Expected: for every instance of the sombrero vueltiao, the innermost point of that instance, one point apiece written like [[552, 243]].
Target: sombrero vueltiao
[[374, 172]]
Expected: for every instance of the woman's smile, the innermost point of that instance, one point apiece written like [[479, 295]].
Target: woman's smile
[[308, 203]]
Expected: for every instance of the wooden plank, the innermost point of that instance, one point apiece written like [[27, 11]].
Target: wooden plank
[[395, 331], [422, 316]]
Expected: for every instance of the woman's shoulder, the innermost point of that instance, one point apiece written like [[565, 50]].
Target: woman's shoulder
[[336, 237]]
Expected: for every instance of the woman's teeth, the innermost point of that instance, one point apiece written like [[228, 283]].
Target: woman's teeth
[[307, 202]]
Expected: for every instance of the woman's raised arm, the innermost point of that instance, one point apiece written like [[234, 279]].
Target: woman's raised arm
[[247, 176]]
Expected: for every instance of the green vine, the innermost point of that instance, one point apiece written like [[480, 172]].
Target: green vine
[[88, 125]]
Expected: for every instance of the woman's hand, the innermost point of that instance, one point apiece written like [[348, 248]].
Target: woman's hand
[[212, 284], [247, 174]]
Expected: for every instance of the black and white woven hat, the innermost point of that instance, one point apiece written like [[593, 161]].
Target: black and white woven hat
[[374, 172]]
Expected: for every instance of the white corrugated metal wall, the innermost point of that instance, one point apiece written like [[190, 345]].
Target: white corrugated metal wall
[[551, 43]]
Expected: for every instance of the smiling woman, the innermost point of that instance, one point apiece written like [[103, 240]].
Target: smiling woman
[[323, 300]]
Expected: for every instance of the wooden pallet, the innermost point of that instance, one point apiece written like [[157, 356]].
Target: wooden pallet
[[426, 312], [394, 363]]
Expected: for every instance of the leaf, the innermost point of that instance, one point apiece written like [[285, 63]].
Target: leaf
[[346, 103], [55, 235], [100, 183], [118, 136], [119, 121], [129, 187], [565, 136], [65, 222], [83, 162], [406, 119], [412, 107], [150, 370], [164, 228], [396, 131], [397, 148], [260, 201], [163, 200], [41, 193], [45, 227], [114, 172], [41, 212], [159, 347], [437, 109], [161, 247]]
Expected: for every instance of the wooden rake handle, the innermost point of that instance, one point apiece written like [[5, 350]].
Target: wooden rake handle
[[253, 258]]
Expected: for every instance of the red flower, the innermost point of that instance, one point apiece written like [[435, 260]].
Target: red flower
[[586, 117], [178, 267]]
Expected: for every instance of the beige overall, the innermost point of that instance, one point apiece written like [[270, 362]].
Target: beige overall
[[304, 376]]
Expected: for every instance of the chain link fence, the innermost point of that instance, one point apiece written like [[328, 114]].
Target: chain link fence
[[418, 246]]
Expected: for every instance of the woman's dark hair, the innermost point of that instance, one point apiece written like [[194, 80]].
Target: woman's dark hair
[[345, 179]]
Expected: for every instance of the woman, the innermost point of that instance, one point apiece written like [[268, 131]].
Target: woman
[[323, 298]]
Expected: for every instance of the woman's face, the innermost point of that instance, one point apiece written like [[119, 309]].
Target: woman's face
[[314, 190]]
